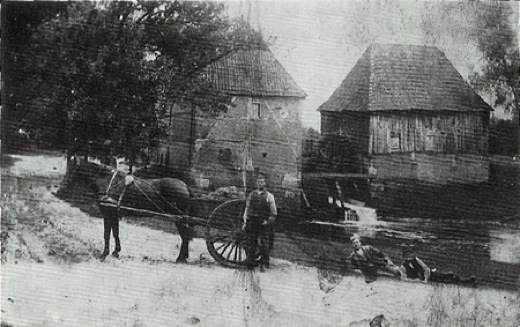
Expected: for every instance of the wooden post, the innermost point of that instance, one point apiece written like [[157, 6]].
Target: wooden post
[[340, 197]]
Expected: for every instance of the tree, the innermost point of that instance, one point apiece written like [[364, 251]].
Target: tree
[[93, 75], [497, 41], [491, 27], [502, 137], [19, 21]]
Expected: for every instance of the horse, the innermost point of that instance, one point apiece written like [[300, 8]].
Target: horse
[[162, 195]]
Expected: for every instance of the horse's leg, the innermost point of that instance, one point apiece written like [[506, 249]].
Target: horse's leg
[[115, 233], [186, 234]]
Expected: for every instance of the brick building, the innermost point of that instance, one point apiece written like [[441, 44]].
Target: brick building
[[259, 130]]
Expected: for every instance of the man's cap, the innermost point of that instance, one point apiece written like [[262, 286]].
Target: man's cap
[[261, 175], [408, 249]]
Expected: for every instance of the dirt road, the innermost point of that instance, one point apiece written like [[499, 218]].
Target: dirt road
[[51, 276]]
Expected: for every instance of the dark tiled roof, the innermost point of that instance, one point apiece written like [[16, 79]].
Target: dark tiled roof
[[404, 77], [252, 73]]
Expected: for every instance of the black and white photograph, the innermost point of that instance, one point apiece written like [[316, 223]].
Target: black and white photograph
[[260, 163]]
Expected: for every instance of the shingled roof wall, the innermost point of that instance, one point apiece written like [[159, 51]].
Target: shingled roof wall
[[252, 73], [404, 77]]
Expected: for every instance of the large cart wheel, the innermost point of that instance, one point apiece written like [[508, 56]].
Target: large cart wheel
[[225, 239]]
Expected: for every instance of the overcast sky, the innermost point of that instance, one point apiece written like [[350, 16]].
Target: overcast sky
[[318, 42]]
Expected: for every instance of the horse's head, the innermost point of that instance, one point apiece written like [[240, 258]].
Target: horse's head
[[129, 180], [94, 176], [115, 181]]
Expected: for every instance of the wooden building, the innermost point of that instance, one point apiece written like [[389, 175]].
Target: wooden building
[[404, 112], [259, 130]]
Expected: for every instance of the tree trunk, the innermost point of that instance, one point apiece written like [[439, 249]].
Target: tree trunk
[[4, 128], [516, 118]]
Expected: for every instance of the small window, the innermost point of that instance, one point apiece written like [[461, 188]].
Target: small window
[[222, 109], [255, 111], [264, 155], [395, 141], [224, 155], [430, 139]]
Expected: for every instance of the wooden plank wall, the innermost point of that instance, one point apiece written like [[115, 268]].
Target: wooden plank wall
[[440, 132]]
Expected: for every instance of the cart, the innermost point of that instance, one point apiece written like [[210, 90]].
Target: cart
[[320, 209]]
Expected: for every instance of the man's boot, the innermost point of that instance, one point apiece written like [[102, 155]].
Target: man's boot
[[106, 250], [117, 249]]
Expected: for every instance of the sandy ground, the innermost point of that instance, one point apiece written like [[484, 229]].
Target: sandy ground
[[50, 276]]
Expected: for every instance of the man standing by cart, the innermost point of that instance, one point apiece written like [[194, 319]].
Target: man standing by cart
[[259, 217]]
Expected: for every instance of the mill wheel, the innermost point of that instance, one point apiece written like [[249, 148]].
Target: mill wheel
[[225, 239]]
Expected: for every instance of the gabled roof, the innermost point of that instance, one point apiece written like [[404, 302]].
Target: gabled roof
[[252, 72], [404, 77]]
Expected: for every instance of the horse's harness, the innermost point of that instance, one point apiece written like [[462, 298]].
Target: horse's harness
[[131, 180]]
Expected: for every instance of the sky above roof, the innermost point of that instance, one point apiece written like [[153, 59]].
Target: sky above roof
[[318, 42]]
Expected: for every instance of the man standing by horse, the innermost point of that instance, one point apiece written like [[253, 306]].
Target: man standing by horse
[[259, 217], [111, 224]]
